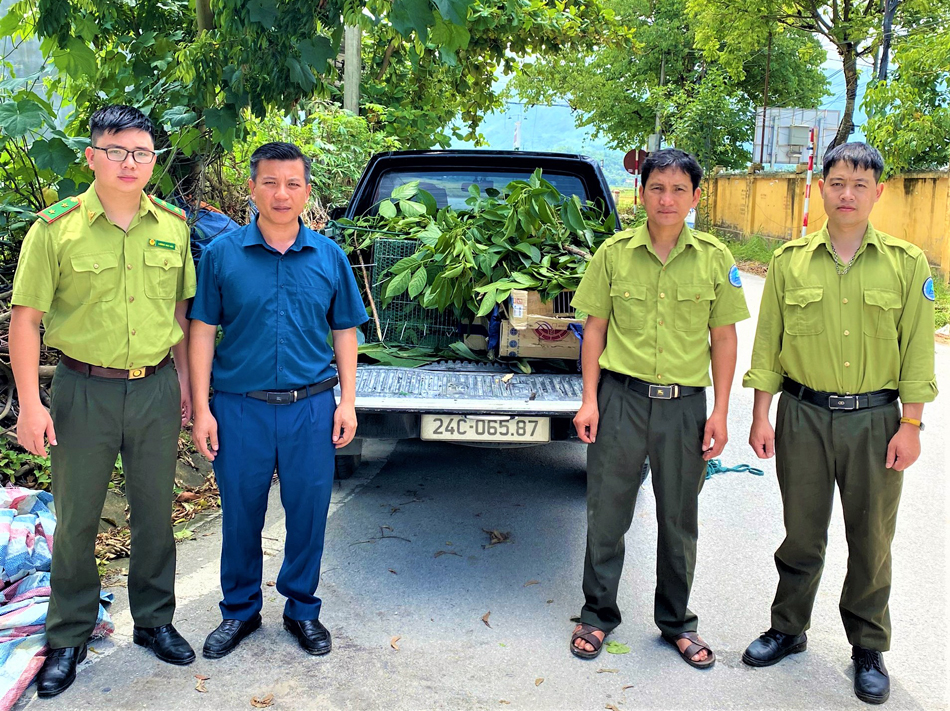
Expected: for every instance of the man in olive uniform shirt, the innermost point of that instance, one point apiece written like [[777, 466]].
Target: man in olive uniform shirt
[[108, 273], [663, 301], [846, 328]]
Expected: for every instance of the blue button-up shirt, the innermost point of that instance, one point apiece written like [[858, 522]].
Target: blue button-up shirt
[[276, 309]]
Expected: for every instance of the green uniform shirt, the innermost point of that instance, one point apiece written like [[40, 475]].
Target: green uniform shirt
[[108, 296], [659, 315], [871, 329]]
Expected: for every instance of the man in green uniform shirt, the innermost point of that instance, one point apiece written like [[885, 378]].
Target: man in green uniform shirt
[[663, 301], [846, 328], [108, 273]]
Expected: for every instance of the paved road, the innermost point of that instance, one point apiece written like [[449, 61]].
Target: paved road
[[406, 557]]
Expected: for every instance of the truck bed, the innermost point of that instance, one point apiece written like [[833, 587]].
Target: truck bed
[[381, 388]]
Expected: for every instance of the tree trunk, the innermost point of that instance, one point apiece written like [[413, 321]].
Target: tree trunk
[[890, 8], [204, 15], [849, 61]]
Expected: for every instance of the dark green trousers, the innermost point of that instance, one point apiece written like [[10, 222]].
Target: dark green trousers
[[670, 432], [95, 420], [816, 448]]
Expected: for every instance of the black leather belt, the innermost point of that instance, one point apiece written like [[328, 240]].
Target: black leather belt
[[832, 401], [287, 397], [654, 391], [115, 373]]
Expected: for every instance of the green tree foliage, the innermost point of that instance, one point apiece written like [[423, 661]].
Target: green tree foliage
[[732, 32], [618, 91], [909, 115]]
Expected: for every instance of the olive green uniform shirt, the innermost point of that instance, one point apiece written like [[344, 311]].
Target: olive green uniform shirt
[[108, 295], [871, 329], [659, 315]]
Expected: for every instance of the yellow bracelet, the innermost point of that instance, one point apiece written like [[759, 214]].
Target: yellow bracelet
[[910, 421]]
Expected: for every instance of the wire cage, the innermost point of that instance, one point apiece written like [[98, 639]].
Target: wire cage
[[404, 321]]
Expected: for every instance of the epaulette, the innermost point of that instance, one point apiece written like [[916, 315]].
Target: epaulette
[[54, 212], [709, 239], [909, 248], [797, 242], [168, 207]]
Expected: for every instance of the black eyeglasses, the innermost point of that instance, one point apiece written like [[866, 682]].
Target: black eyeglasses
[[118, 155]]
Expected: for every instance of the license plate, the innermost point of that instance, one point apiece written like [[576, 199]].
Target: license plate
[[472, 428]]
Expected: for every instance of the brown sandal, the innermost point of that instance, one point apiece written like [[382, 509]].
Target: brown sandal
[[586, 633], [693, 649]]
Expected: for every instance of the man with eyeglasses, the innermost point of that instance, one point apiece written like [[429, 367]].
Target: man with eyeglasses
[[108, 274]]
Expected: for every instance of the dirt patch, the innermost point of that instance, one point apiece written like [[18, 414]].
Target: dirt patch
[[757, 268]]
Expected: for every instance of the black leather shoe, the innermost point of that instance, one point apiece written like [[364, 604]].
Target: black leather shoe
[[166, 643], [228, 635], [772, 647], [311, 634], [59, 670], [871, 683]]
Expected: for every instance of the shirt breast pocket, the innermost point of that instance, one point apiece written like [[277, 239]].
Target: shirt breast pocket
[[311, 302], [881, 312], [97, 276], [693, 305], [628, 305], [803, 311], [161, 274]]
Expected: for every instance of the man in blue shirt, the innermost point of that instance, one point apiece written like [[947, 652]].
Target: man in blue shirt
[[277, 289]]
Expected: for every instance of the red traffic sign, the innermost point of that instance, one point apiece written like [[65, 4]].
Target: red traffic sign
[[633, 160]]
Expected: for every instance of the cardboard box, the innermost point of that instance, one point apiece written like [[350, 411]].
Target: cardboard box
[[537, 342], [526, 310]]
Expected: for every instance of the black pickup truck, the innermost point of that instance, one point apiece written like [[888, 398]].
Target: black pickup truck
[[470, 403]]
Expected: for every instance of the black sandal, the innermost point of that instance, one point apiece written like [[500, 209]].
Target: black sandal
[[693, 649], [586, 633]]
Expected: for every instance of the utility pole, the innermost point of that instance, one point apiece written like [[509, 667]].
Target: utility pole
[[659, 124], [351, 69], [765, 98]]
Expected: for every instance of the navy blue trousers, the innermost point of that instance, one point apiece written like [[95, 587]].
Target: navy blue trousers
[[254, 438]]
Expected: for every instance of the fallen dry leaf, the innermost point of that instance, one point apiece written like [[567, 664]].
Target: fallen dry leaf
[[532, 582], [485, 619], [539, 681], [187, 496], [94, 650], [507, 378], [607, 671], [439, 553], [628, 686], [507, 703], [393, 571], [496, 537], [611, 707], [202, 677], [392, 642], [200, 686], [271, 583], [262, 703]]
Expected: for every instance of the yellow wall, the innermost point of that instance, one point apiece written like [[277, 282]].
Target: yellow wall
[[914, 207]]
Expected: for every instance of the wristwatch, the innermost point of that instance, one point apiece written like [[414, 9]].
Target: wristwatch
[[912, 421]]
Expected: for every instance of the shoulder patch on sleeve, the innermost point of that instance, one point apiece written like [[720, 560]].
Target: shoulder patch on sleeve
[[929, 290], [734, 277], [54, 212], [168, 207]]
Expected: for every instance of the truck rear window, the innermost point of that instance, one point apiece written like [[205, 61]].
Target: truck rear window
[[450, 188]]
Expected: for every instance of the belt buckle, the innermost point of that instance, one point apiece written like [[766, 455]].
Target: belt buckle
[[661, 392], [280, 398], [136, 373], [843, 402]]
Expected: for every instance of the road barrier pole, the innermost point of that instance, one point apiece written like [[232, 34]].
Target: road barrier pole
[[811, 168]]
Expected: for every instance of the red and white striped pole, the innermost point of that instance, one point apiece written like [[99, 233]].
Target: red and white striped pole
[[811, 168]]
